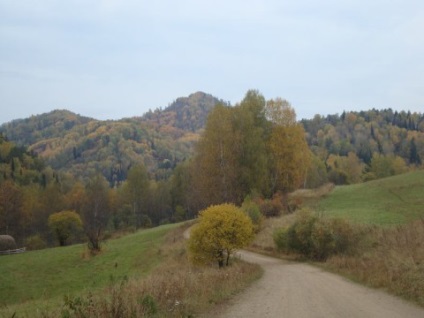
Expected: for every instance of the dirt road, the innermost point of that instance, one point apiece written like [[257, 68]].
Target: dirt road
[[300, 290]]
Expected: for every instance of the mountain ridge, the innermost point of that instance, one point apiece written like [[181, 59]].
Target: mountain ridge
[[162, 138], [82, 145]]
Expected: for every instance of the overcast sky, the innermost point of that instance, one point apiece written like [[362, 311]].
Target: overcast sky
[[120, 58]]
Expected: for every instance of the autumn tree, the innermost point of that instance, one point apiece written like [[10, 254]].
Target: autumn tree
[[414, 157], [345, 169], [289, 153], [215, 164], [52, 198], [382, 166], [10, 208], [95, 211], [75, 198], [180, 189], [220, 231], [317, 173], [253, 146], [159, 204], [64, 225], [250, 130], [231, 158], [136, 192], [32, 210]]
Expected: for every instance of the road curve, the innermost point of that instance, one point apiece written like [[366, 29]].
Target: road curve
[[289, 289]]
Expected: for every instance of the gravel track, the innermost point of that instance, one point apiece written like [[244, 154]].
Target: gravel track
[[289, 289]]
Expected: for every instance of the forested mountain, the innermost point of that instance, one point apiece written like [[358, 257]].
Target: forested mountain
[[162, 138], [57, 123], [186, 113], [50, 165], [356, 146], [18, 164], [136, 168], [80, 145]]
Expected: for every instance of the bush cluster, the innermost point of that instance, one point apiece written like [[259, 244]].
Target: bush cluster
[[316, 237], [272, 207], [35, 242]]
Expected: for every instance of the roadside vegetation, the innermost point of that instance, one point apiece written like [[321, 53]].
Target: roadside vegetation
[[146, 273], [372, 233], [391, 259]]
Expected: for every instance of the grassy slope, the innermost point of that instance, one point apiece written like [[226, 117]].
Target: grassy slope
[[155, 262], [388, 201], [63, 271]]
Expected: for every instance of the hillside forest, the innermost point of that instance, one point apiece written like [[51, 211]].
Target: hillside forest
[[171, 163]]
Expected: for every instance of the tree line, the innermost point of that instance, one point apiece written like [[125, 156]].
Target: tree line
[[254, 147], [361, 146], [31, 192], [255, 150]]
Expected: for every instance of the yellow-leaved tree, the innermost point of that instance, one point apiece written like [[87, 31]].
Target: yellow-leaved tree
[[290, 156], [65, 224], [221, 230]]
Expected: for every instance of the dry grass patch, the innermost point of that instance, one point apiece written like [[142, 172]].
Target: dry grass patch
[[264, 241], [311, 196], [394, 260]]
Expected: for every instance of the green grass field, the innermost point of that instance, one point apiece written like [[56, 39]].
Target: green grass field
[[389, 201], [50, 274]]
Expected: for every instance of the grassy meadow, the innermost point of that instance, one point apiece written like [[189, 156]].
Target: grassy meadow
[[146, 273], [389, 201], [49, 273]]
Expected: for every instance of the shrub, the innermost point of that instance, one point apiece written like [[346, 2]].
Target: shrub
[[7, 243], [149, 305], [346, 236], [180, 214], [316, 237], [293, 204], [281, 239], [322, 239], [64, 225], [164, 221], [253, 212], [338, 177], [145, 221], [35, 242], [271, 208], [221, 229]]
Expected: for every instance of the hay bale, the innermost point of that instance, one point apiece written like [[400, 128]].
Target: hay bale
[[7, 243]]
